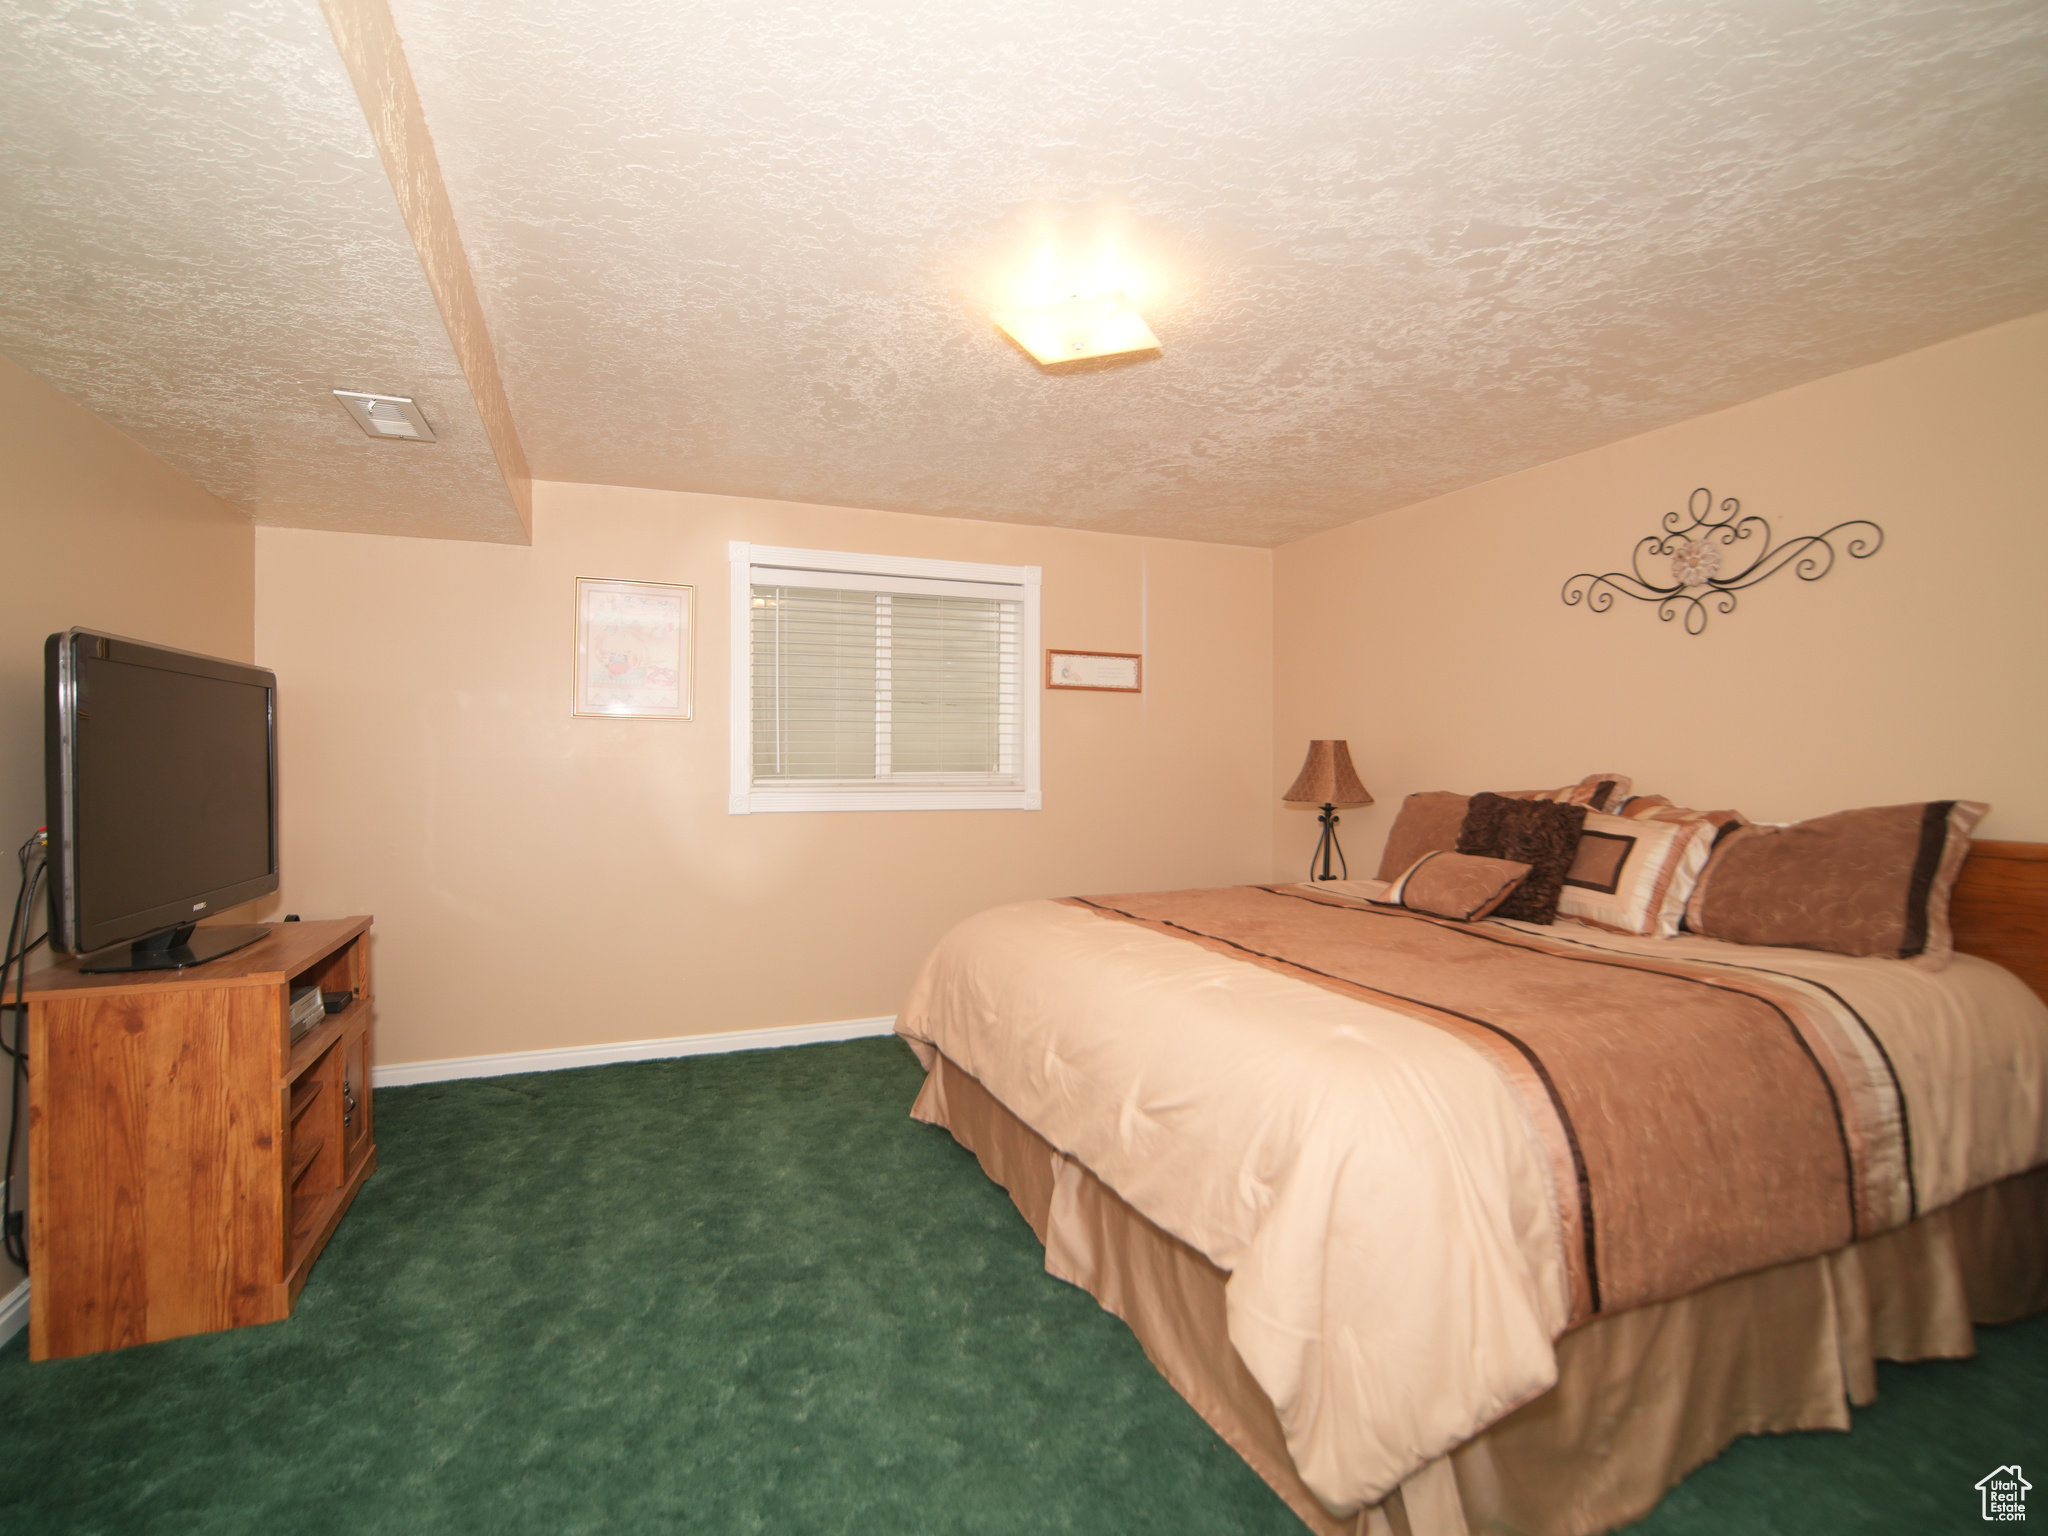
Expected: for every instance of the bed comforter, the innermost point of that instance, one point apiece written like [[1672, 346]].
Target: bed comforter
[[1421, 1150]]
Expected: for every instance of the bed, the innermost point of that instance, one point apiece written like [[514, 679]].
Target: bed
[[1432, 1264]]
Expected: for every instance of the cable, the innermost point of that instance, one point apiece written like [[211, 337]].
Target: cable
[[17, 1050], [13, 936], [34, 859], [13, 1236]]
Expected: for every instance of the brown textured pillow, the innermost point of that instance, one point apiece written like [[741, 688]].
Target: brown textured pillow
[[1428, 823], [1544, 834], [1868, 882], [1454, 885]]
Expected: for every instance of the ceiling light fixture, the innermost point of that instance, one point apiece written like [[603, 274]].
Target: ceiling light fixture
[[1079, 327], [392, 417]]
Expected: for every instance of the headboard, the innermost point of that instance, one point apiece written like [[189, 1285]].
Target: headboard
[[2000, 908]]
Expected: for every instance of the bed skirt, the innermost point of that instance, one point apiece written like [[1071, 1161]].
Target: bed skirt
[[1642, 1397]]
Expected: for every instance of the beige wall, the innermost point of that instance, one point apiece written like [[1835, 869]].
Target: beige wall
[[1434, 640], [97, 531], [542, 881]]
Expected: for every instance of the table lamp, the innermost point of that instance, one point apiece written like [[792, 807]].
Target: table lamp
[[1327, 778]]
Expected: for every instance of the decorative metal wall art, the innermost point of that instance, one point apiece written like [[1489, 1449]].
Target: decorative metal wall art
[[1694, 554]]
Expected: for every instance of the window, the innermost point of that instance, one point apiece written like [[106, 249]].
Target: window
[[876, 682]]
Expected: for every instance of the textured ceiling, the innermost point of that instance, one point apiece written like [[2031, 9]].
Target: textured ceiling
[[198, 243], [1389, 249]]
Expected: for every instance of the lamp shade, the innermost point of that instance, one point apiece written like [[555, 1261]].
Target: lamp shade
[[1327, 777]]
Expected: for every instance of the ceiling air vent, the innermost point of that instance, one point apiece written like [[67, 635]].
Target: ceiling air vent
[[387, 416]]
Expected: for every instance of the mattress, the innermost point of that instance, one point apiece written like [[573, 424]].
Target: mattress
[[1402, 1193]]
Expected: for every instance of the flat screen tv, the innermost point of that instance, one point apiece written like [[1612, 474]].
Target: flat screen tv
[[160, 768]]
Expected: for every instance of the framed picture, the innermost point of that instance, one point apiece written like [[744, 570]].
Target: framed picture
[[634, 642], [1096, 671]]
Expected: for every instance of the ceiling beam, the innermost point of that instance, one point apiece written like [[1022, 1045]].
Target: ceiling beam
[[370, 49]]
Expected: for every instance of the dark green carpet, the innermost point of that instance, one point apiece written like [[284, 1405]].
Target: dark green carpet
[[745, 1293]]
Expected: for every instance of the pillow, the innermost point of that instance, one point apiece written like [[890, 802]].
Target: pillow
[[1868, 882], [1454, 885], [1596, 792], [1428, 823], [1719, 824], [1658, 808], [1634, 875], [1543, 834]]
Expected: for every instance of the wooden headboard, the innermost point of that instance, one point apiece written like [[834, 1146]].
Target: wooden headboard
[[2000, 908]]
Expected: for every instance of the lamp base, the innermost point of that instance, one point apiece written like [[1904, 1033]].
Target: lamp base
[[1326, 845]]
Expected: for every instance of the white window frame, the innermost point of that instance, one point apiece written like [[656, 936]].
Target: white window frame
[[1020, 582]]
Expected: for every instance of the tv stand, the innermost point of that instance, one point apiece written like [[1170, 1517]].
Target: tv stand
[[172, 950], [187, 1160]]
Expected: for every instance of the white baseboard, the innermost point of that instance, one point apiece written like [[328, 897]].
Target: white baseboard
[[403, 1073], [14, 1311]]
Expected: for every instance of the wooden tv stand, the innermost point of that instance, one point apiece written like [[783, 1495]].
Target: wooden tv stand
[[187, 1162]]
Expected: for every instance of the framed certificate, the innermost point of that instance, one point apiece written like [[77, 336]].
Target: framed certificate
[[633, 643], [1095, 671]]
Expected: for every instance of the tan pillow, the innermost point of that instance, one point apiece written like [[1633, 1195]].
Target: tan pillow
[[1867, 882], [1428, 823], [1455, 885]]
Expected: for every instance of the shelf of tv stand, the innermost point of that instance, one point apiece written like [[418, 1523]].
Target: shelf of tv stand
[[304, 1150], [315, 1042], [314, 1222], [188, 1161]]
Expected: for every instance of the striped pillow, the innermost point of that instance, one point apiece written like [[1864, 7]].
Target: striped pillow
[[1658, 808], [1633, 875], [1603, 792]]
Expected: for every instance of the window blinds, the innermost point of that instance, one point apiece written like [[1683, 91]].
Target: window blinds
[[884, 682]]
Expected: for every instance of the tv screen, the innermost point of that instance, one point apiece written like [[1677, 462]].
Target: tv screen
[[162, 779]]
